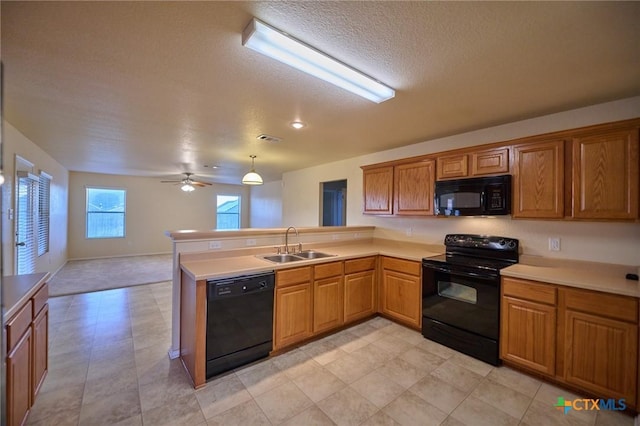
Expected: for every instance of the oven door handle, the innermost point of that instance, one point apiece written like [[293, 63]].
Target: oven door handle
[[447, 270]]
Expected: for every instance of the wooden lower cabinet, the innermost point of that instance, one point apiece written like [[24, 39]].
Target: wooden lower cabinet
[[293, 319], [19, 395], [600, 342], [400, 291], [359, 295], [40, 329], [528, 334], [528, 324], [327, 304], [582, 338]]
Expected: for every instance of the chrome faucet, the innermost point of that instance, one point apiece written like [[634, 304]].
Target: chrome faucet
[[286, 240]]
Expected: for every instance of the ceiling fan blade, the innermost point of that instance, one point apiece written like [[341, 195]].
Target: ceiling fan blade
[[197, 182]]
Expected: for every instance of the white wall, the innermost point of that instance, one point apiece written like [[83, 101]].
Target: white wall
[[15, 143], [266, 205], [604, 242], [152, 208]]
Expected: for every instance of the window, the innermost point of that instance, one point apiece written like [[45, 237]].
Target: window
[[228, 212], [44, 191], [105, 212]]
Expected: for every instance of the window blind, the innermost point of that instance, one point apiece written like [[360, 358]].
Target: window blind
[[44, 193]]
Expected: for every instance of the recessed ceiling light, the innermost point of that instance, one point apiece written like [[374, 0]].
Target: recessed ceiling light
[[298, 125]]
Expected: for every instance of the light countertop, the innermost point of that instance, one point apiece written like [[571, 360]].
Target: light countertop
[[223, 267], [17, 289], [603, 277]]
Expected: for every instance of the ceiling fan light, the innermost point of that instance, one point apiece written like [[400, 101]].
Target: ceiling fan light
[[187, 187]]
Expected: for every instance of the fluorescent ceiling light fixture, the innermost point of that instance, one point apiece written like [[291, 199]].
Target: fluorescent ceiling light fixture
[[278, 45], [252, 178]]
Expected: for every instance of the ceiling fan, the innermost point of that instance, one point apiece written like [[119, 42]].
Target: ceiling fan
[[188, 184]]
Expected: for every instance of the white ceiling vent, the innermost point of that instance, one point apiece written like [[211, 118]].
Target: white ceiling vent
[[268, 138]]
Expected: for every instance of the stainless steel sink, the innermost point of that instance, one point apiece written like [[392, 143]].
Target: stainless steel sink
[[281, 258], [311, 254], [303, 255]]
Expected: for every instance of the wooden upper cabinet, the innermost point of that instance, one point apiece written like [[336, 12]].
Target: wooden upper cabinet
[[413, 188], [490, 161], [453, 166], [377, 184], [605, 175], [538, 180]]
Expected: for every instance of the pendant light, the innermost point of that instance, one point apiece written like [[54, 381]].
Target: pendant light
[[252, 178]]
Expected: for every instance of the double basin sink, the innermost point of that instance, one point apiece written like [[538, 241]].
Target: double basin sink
[[303, 255]]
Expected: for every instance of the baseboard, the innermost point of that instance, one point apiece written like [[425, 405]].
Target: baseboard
[[53, 274], [174, 353], [118, 256]]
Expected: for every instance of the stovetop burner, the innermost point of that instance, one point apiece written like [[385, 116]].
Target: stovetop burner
[[481, 252]]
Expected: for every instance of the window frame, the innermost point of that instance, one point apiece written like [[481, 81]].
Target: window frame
[[86, 212], [239, 213]]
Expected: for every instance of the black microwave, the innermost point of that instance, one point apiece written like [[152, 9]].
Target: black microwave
[[484, 196]]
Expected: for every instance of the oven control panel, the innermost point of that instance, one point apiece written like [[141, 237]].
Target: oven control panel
[[481, 241]]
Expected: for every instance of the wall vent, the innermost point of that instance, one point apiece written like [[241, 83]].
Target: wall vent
[[268, 138]]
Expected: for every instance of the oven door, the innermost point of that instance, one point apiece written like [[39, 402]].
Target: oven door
[[462, 300]]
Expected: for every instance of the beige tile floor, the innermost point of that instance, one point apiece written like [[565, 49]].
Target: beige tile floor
[[109, 366]]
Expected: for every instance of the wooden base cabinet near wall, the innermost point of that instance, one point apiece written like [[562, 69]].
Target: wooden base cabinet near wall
[[585, 339]]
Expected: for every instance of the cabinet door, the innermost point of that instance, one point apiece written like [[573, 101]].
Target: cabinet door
[[605, 176], [414, 188], [377, 185], [528, 334], [40, 349], [401, 297], [293, 314], [19, 380], [491, 161], [359, 296], [453, 166], [538, 181], [327, 304], [601, 355]]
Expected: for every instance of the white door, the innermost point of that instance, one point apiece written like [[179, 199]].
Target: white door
[[26, 221]]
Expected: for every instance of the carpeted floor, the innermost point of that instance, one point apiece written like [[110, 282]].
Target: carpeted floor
[[84, 276]]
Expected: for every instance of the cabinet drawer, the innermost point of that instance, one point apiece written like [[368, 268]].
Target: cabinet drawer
[[529, 290], [327, 270], [602, 304], [18, 325], [293, 276], [40, 299], [359, 265], [406, 266]]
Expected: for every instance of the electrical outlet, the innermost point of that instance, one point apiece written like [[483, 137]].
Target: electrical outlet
[[356, 235], [335, 237], [251, 242], [215, 245], [409, 231], [554, 244]]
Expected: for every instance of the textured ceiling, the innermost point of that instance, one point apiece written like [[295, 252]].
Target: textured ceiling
[[155, 89]]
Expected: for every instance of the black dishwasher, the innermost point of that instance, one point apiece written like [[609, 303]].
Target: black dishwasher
[[239, 321]]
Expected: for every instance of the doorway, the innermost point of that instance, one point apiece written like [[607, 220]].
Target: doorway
[[333, 203]]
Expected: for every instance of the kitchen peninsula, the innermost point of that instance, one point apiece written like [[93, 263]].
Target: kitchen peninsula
[[391, 269]]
